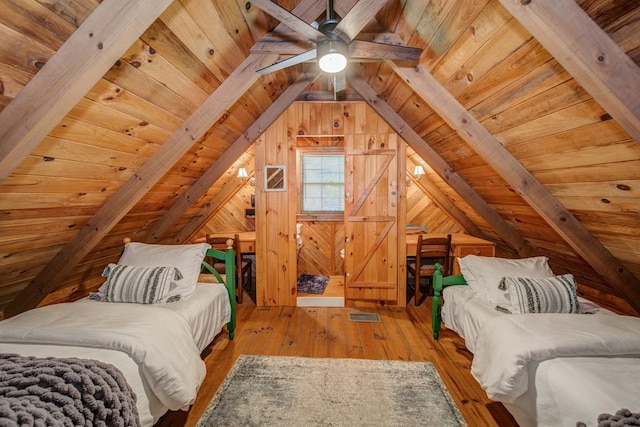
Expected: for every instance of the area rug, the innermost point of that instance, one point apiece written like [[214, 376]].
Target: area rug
[[312, 283], [299, 391]]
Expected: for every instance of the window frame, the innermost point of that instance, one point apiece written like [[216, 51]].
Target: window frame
[[316, 215]]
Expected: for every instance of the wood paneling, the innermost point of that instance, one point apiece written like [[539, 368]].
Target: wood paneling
[[574, 145], [322, 243]]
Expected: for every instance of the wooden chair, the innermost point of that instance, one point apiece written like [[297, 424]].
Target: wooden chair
[[429, 251], [243, 267]]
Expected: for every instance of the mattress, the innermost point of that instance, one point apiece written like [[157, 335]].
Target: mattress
[[568, 390], [562, 390], [206, 312], [465, 313]]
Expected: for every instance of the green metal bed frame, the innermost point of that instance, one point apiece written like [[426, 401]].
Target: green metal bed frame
[[228, 257], [439, 283]]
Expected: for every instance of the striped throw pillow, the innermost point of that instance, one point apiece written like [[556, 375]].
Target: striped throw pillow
[[551, 295], [142, 285]]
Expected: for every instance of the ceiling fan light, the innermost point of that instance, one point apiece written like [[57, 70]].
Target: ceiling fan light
[[333, 62], [332, 55]]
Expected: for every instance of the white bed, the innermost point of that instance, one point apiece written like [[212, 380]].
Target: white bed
[[549, 369], [156, 346]]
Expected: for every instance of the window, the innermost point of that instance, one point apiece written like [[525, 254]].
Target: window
[[322, 182]]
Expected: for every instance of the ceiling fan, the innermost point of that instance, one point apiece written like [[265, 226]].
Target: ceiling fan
[[335, 42]]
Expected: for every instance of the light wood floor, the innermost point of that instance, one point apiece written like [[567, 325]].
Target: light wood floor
[[403, 334]]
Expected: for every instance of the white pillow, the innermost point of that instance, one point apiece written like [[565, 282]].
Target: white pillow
[[142, 285], [551, 295], [186, 258], [484, 274]]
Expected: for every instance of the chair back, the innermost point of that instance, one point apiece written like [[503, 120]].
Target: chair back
[[221, 244], [430, 250], [240, 264], [242, 267]]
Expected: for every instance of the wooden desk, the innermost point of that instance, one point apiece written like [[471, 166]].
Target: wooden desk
[[247, 243], [461, 245]]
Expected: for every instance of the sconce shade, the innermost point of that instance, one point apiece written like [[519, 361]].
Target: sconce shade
[[418, 171], [332, 54], [242, 173]]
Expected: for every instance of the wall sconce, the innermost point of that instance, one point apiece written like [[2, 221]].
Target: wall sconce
[[242, 173], [418, 171]]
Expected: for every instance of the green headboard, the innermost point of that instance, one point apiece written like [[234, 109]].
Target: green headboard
[[228, 257], [439, 282]]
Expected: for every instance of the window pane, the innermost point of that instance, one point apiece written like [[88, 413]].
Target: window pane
[[322, 183], [312, 175]]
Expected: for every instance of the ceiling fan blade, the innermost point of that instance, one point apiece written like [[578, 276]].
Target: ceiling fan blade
[[298, 59], [282, 43], [359, 49], [289, 19], [339, 81], [357, 18]]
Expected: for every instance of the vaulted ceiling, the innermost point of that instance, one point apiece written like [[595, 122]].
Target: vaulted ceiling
[[127, 118]]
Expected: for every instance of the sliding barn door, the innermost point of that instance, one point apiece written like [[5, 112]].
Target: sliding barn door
[[372, 254]]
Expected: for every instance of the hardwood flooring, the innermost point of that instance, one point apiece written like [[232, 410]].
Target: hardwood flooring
[[403, 334]]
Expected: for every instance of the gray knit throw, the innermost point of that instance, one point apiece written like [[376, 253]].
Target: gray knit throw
[[622, 418], [64, 392]]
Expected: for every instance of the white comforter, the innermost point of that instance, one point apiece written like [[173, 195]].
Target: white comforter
[[158, 339], [508, 344]]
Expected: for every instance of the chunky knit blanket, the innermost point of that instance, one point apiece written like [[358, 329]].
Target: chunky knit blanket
[[622, 418], [64, 392]]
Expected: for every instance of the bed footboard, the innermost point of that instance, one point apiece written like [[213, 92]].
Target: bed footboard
[[229, 259], [439, 282]]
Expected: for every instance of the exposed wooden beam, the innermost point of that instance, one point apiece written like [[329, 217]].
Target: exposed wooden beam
[[588, 53], [443, 202], [284, 43], [442, 168], [225, 161], [137, 186], [70, 73], [357, 17], [326, 96], [289, 19], [521, 180]]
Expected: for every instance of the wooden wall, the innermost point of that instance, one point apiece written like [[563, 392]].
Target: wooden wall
[[277, 212], [231, 216], [323, 240], [476, 50]]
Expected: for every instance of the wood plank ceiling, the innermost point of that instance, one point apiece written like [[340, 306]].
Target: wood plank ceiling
[[124, 118]]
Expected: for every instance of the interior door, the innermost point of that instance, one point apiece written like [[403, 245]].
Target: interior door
[[371, 217]]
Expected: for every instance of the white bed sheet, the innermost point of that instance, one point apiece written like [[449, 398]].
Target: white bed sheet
[[564, 391], [465, 313], [561, 390], [206, 312]]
